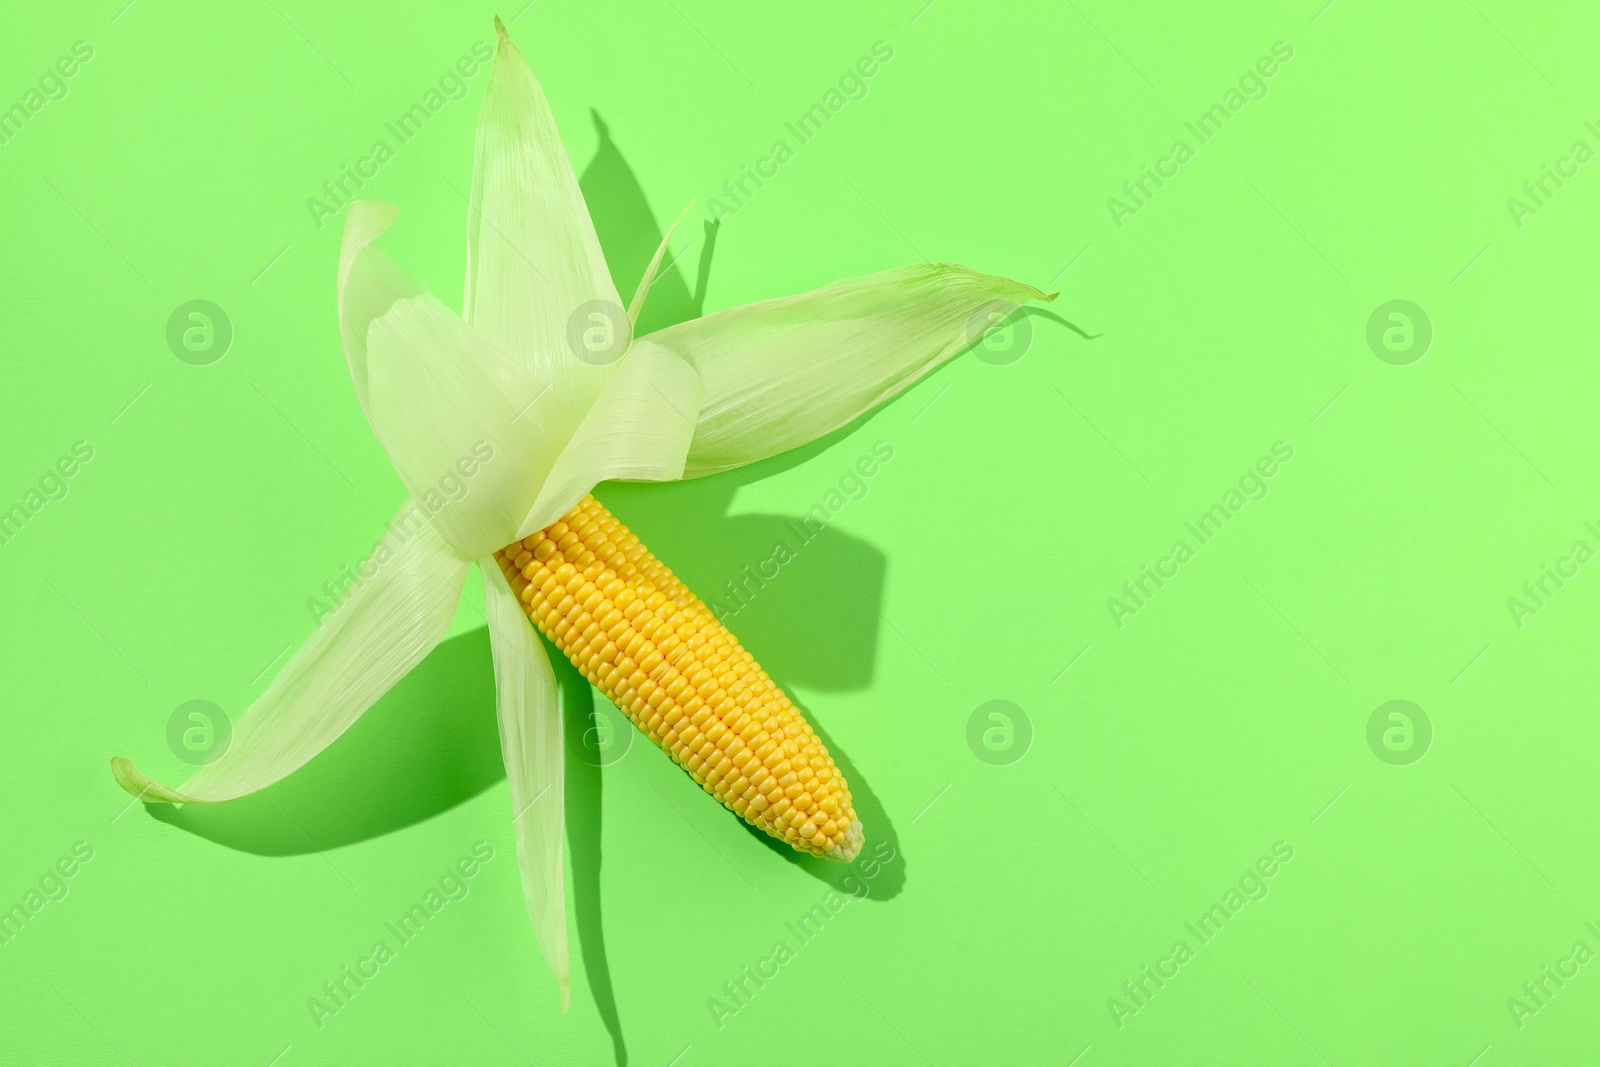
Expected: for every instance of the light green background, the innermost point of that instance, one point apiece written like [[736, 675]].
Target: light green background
[[1230, 713]]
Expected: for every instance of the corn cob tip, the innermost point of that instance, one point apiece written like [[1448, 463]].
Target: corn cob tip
[[848, 849], [661, 656]]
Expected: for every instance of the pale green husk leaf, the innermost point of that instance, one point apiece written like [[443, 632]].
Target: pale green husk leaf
[[530, 742], [370, 641], [783, 372]]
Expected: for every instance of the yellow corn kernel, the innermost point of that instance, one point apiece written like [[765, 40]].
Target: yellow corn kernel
[[658, 653]]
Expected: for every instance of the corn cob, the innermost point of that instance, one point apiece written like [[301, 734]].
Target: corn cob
[[658, 653]]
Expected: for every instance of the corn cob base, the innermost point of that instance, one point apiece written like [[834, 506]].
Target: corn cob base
[[656, 651]]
